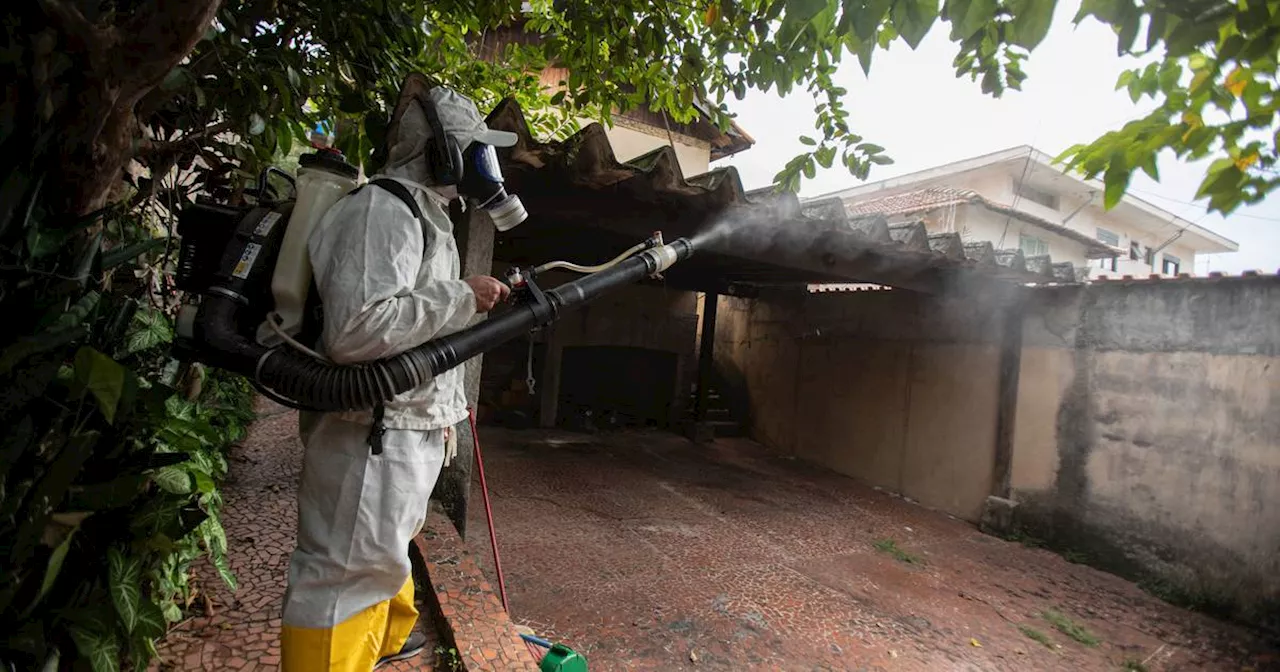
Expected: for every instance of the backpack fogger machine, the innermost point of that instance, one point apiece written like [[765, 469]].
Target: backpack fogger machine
[[251, 306]]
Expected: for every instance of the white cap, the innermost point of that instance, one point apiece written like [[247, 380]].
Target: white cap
[[461, 120]]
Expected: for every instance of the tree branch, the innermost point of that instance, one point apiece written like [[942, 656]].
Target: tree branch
[[94, 39], [150, 149], [162, 37]]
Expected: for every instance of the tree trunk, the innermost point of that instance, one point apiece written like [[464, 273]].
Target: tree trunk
[[114, 66]]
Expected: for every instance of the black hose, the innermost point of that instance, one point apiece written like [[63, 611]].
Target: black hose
[[317, 385]]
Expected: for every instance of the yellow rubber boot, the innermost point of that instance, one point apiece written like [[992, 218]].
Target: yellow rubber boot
[[354, 645]]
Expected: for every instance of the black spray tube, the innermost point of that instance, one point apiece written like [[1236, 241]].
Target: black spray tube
[[316, 385]]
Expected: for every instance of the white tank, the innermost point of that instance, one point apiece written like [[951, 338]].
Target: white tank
[[323, 178]]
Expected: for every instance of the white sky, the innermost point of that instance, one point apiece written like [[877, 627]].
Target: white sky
[[914, 106]]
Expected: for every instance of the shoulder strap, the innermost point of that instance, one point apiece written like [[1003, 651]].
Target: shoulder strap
[[401, 192]]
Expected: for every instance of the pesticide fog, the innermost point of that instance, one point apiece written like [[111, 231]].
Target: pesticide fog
[[832, 249]]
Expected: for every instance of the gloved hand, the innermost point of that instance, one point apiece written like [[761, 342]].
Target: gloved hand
[[450, 445]]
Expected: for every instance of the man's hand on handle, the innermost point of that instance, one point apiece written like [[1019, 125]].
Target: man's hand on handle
[[488, 292]]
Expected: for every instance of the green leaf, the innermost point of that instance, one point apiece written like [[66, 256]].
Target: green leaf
[[112, 494], [802, 11], [172, 613], [1223, 176], [55, 563], [101, 649], [284, 136], [118, 255], [224, 570], [913, 19], [967, 17], [44, 241], [1116, 180], [1031, 21], [806, 140], [124, 575], [151, 620], [102, 377], [173, 480], [204, 482], [151, 328]]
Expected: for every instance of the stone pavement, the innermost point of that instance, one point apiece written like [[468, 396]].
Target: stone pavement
[[241, 631], [468, 609], [644, 551]]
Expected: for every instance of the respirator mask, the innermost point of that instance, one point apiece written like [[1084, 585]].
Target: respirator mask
[[459, 149], [482, 185]]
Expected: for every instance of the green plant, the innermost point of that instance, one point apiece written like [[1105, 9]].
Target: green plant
[[1133, 665], [1036, 635], [108, 475], [890, 547], [1070, 628], [449, 657]]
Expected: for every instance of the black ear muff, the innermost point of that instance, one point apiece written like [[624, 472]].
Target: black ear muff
[[443, 152]]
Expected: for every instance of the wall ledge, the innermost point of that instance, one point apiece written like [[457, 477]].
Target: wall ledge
[[464, 606]]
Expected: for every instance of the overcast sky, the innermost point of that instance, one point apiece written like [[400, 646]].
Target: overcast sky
[[914, 106]]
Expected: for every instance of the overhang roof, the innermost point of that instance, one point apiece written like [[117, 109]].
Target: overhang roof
[[585, 205]]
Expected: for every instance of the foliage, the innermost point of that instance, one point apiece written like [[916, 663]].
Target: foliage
[[1133, 665], [106, 469], [891, 547], [1216, 89], [448, 658], [108, 475], [1070, 628], [1032, 633]]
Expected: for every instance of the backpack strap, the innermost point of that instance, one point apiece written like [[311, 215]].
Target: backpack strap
[[401, 192]]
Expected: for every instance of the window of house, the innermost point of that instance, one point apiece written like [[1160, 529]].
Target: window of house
[[1034, 195], [1135, 250], [1032, 246], [1171, 265], [1108, 237], [1110, 264]]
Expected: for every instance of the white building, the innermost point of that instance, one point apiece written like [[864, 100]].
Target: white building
[[1018, 198]]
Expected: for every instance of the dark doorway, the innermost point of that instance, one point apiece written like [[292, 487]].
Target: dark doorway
[[607, 387]]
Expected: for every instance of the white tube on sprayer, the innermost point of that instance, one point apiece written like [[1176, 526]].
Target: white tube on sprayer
[[323, 178]]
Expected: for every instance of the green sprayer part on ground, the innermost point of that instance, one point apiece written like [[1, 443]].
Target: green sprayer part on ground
[[561, 658]]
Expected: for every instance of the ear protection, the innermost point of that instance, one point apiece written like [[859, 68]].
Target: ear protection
[[444, 156]]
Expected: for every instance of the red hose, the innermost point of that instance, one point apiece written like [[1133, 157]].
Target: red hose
[[488, 510]]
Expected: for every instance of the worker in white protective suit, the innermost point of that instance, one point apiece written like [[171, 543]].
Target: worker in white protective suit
[[388, 281]]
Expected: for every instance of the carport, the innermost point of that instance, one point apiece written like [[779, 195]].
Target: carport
[[587, 206]]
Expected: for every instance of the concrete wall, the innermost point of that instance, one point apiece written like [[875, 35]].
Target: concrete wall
[[890, 387], [638, 316], [630, 139], [1148, 433]]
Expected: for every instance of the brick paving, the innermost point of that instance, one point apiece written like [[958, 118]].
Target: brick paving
[[241, 631], [646, 552], [470, 610]]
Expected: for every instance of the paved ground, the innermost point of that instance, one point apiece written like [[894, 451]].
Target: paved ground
[[242, 632], [646, 552]]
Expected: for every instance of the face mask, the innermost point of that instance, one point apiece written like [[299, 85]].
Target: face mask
[[482, 184]]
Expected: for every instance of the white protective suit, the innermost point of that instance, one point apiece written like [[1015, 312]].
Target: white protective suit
[[388, 283]]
